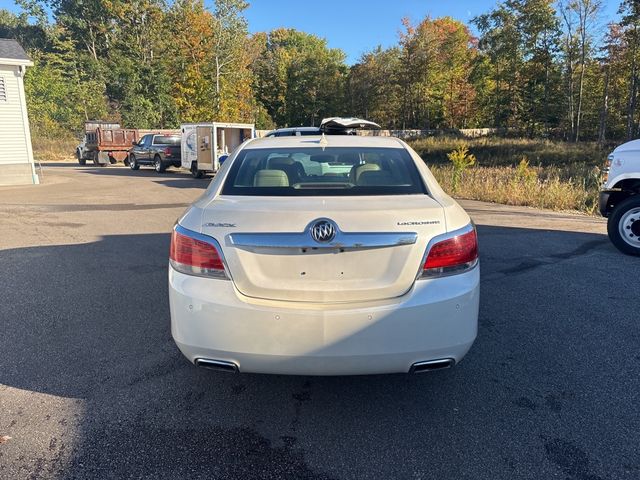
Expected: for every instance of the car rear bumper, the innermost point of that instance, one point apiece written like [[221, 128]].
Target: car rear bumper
[[172, 160], [437, 319]]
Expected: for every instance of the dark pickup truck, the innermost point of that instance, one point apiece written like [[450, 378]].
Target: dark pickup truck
[[159, 150]]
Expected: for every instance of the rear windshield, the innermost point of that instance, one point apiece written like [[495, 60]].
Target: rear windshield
[[166, 140], [317, 172]]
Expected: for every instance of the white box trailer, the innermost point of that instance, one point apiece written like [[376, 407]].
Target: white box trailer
[[204, 143]]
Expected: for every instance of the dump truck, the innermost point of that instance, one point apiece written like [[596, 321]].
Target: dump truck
[[106, 143]]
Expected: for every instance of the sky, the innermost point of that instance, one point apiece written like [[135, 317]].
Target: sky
[[357, 26]]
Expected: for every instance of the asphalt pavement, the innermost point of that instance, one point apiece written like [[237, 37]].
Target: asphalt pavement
[[92, 385]]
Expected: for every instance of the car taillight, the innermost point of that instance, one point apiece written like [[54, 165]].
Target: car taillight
[[192, 253], [167, 151], [456, 254]]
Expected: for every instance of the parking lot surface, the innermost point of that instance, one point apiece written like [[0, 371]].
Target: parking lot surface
[[92, 385]]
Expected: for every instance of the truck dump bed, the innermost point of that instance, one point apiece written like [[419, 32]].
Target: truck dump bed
[[112, 138]]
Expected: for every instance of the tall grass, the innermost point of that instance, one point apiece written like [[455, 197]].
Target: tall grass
[[504, 185], [54, 150], [515, 171], [501, 151]]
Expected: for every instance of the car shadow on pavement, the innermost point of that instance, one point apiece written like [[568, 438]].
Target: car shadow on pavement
[[59, 164], [557, 342], [170, 178]]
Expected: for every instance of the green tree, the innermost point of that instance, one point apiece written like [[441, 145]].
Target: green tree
[[630, 11], [580, 18], [298, 78], [60, 95], [501, 42], [373, 87], [540, 35], [137, 65], [437, 57]]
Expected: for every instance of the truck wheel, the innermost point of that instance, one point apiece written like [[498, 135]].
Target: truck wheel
[[81, 160], [158, 164], [623, 226], [195, 173], [133, 162]]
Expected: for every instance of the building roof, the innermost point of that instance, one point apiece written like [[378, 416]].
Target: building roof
[[10, 49]]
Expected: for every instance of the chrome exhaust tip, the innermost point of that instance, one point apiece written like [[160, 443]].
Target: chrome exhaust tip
[[431, 365], [219, 365]]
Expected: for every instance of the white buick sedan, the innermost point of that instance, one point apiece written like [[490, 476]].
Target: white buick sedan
[[314, 255]]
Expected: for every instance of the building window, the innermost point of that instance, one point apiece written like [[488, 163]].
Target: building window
[[3, 90]]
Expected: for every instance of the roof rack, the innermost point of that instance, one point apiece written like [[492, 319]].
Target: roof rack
[[345, 126]]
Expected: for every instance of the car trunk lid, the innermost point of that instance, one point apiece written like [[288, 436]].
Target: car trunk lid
[[376, 252]]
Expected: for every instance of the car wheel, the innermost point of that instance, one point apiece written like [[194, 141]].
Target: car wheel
[[81, 159], [623, 226], [133, 162], [195, 173], [158, 164]]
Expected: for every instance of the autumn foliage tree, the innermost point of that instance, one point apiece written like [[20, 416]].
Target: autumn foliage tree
[[538, 68], [298, 78]]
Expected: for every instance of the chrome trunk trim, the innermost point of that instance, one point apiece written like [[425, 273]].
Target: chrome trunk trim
[[342, 240]]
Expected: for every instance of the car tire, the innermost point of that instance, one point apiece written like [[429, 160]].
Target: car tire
[[81, 159], [195, 173], [133, 162], [158, 164], [623, 226]]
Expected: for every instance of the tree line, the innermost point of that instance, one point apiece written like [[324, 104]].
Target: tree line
[[548, 68]]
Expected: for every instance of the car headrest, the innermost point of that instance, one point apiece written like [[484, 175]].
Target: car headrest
[[376, 178], [270, 178], [350, 158], [322, 158], [367, 167], [275, 162]]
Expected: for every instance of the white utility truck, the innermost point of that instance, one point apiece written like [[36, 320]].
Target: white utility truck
[[204, 145], [620, 197]]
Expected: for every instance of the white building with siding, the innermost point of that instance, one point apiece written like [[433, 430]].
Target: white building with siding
[[16, 155]]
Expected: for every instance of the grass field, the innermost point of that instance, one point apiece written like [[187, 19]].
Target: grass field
[[515, 171], [54, 150], [500, 151]]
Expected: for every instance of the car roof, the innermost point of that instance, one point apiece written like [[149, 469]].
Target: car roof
[[310, 141]]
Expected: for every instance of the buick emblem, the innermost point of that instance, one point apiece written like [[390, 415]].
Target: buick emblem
[[323, 231]]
